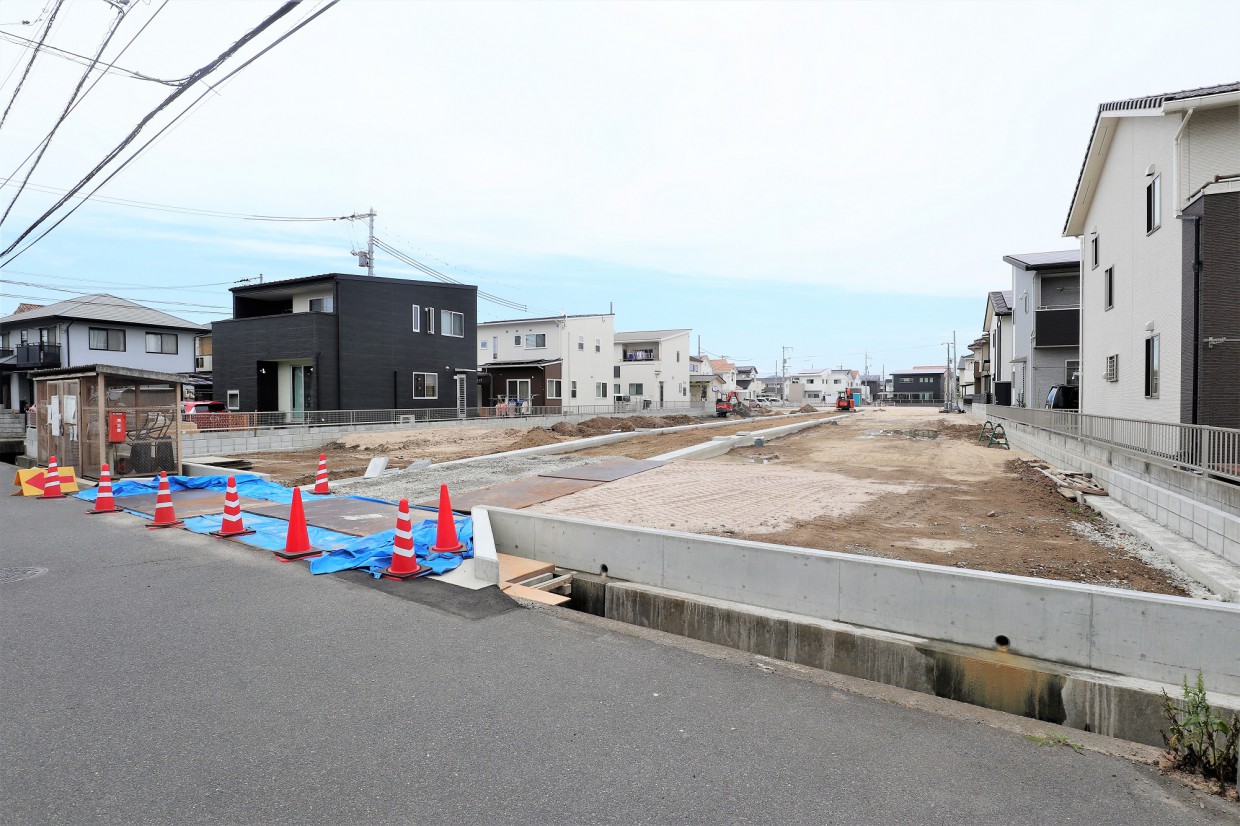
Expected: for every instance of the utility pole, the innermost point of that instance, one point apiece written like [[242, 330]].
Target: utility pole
[[370, 242], [783, 384]]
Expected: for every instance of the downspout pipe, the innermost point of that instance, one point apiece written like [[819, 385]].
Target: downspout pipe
[[1175, 158]]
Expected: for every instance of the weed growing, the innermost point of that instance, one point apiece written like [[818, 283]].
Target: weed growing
[[1201, 741]]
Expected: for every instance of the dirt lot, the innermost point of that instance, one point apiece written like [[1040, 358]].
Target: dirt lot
[[349, 456], [877, 484]]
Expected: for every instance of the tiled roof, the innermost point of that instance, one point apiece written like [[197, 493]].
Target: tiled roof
[[721, 365], [1045, 260], [1001, 300], [104, 307], [23, 308]]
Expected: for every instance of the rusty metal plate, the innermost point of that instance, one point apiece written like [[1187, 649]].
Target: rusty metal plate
[[608, 470], [186, 503], [519, 493], [356, 517]]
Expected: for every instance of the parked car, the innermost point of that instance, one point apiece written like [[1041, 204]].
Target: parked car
[[1063, 397], [203, 407], [767, 400], [206, 415]]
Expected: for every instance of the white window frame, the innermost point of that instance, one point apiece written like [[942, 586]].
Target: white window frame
[[555, 388], [430, 322], [1153, 205], [233, 399], [1112, 372], [434, 381], [448, 323], [535, 337], [417, 318], [598, 345], [163, 339], [600, 390], [581, 344], [482, 345], [1153, 356], [1108, 288], [1093, 251]]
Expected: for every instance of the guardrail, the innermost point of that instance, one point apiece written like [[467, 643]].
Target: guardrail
[[257, 420], [1209, 450]]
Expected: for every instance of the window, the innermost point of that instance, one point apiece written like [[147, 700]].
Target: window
[[1151, 367], [482, 345], [495, 347], [4, 341], [104, 338], [234, 399], [615, 372], [22, 336], [581, 343], [452, 324], [1108, 287], [598, 345], [1153, 205], [319, 305], [161, 343], [678, 357], [617, 388], [426, 385], [635, 389], [516, 340], [600, 390], [1024, 300], [573, 389], [809, 381], [554, 388], [535, 340], [1093, 252], [1073, 369], [1112, 373], [47, 335], [417, 318], [429, 316]]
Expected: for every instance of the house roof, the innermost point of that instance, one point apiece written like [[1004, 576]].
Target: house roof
[[1001, 301], [521, 363], [1045, 260], [1100, 142], [721, 365], [104, 307], [937, 371], [24, 307], [111, 370], [648, 335], [284, 283]]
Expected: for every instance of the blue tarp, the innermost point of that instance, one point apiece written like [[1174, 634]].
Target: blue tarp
[[270, 533], [374, 552], [247, 485]]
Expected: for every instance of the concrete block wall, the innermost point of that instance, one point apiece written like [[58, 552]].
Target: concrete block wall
[[1144, 636], [1202, 510]]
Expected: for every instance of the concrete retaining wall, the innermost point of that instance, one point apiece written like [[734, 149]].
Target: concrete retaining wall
[[1144, 636], [1203, 510]]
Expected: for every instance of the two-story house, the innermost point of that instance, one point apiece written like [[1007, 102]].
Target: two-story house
[[1157, 212], [347, 342], [919, 384], [702, 379], [1046, 323], [652, 364], [89, 329], [996, 372], [554, 362]]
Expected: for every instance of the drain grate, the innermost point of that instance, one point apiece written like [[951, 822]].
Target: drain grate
[[8, 575]]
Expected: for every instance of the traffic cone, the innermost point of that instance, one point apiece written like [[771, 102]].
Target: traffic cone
[[446, 540], [104, 503], [320, 477], [232, 525], [165, 514], [51, 481], [297, 541], [404, 562]]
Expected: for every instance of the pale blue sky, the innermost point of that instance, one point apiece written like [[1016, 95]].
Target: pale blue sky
[[834, 177]]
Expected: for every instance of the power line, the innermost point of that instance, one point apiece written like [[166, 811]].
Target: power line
[[202, 72], [434, 273], [83, 60], [47, 141], [34, 54], [120, 303]]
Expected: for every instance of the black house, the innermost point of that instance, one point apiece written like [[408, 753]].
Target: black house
[[923, 385], [348, 342]]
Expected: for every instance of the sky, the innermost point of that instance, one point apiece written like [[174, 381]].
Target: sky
[[831, 182]]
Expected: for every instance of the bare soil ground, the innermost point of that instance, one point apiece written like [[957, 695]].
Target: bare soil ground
[[349, 456], [878, 484]]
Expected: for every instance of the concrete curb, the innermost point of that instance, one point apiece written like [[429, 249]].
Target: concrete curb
[[1219, 575], [721, 445], [486, 561]]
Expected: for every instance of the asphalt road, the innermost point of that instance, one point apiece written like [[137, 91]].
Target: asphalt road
[[163, 677]]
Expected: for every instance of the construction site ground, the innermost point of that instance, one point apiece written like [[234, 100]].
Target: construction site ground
[[348, 457]]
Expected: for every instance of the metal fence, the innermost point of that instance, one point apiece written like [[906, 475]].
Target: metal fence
[[235, 420], [1210, 450]]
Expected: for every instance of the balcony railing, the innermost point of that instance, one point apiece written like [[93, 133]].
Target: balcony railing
[[1057, 327], [37, 356], [1209, 450]]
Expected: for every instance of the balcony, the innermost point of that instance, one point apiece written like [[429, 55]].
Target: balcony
[[644, 354], [37, 356], [1057, 327]]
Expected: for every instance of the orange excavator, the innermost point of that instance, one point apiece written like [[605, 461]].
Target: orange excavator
[[731, 403], [845, 401]]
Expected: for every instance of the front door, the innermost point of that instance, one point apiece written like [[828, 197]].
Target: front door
[[462, 400], [303, 390]]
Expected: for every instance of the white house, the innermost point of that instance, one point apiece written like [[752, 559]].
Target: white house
[[561, 361], [652, 365], [822, 385], [1046, 308], [996, 372], [1157, 212], [90, 329]]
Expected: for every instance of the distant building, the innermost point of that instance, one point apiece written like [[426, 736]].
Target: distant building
[[653, 365], [1046, 323], [919, 385], [552, 362], [87, 330]]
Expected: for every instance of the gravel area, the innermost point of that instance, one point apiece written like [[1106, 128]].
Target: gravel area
[[416, 485]]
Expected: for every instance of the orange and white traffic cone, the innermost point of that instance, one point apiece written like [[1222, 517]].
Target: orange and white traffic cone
[[233, 524], [51, 481], [320, 477], [404, 562], [446, 540], [165, 514], [104, 503], [297, 540]]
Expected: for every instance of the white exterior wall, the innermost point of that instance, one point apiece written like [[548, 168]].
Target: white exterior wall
[[301, 302], [1024, 305], [1209, 146], [586, 366], [671, 366], [78, 351], [1147, 277]]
